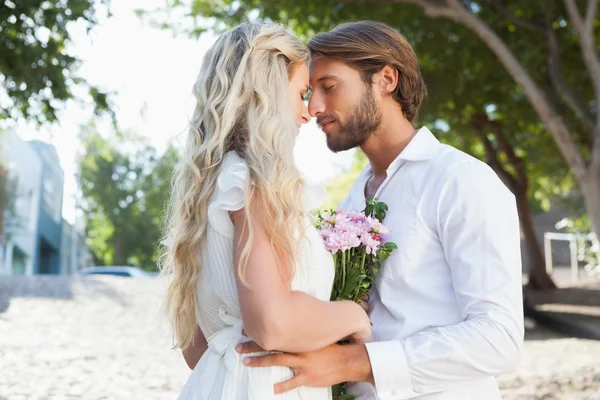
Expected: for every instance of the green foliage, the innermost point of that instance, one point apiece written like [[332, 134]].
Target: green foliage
[[464, 78], [468, 84], [376, 209], [355, 270], [125, 186], [339, 393], [37, 71], [338, 187]]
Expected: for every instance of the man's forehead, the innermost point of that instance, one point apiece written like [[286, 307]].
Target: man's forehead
[[321, 69]]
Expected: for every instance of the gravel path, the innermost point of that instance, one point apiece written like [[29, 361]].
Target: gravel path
[[105, 338], [94, 338]]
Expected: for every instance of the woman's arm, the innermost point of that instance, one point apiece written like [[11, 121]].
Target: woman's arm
[[277, 318], [193, 353]]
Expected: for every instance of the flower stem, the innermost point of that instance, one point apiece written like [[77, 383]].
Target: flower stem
[[343, 270]]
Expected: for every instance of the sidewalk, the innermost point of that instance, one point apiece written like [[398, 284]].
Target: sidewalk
[[572, 310]]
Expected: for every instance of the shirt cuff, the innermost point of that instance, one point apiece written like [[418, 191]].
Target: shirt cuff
[[390, 370]]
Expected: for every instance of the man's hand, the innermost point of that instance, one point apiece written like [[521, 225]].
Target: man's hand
[[322, 368]]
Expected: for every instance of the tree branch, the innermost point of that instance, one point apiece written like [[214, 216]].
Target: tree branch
[[430, 9], [536, 96], [507, 148], [553, 122], [595, 166], [497, 128], [589, 17], [491, 154], [588, 50], [523, 23], [558, 82]]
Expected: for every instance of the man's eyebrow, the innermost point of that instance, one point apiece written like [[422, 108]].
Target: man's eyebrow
[[325, 77]]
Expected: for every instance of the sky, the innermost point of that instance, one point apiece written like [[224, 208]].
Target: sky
[[152, 72]]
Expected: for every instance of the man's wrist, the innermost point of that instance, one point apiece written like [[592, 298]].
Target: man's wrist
[[357, 365]]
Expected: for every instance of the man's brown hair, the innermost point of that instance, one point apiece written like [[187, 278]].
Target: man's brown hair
[[368, 46]]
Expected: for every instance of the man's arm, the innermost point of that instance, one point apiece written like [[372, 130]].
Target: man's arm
[[479, 231], [322, 368]]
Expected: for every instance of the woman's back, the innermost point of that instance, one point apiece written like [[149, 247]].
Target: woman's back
[[220, 374]]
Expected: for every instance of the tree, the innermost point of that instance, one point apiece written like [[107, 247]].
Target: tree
[[483, 114], [576, 128], [542, 33], [125, 187], [37, 72]]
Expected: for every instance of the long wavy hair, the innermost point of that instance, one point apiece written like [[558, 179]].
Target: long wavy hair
[[242, 105]]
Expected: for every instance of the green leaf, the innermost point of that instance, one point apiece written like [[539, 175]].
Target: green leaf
[[39, 74]]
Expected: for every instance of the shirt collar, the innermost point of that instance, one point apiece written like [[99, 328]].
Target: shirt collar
[[423, 146]]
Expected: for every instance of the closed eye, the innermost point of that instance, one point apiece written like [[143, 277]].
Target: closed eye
[[327, 89]]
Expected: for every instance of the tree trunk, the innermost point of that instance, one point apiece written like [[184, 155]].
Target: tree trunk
[[117, 257], [538, 99], [518, 183], [589, 179], [590, 189], [538, 277]]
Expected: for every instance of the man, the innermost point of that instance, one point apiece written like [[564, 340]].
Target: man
[[446, 307]]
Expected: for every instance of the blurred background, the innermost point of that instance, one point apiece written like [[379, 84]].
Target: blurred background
[[95, 97]]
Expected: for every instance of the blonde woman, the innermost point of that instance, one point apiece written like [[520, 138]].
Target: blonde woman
[[244, 261]]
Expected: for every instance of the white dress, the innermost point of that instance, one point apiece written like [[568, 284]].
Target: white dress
[[220, 373]]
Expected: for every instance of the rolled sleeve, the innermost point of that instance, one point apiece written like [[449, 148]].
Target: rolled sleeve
[[390, 370]]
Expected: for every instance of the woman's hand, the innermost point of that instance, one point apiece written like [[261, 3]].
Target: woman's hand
[[365, 334], [364, 302]]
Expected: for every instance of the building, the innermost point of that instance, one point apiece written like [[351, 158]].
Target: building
[[74, 252], [36, 239], [19, 244], [49, 229]]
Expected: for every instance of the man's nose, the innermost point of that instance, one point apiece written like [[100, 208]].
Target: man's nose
[[316, 105]]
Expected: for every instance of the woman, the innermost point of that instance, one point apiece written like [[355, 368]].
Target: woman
[[244, 260]]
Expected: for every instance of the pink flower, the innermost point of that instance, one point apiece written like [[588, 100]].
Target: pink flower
[[349, 240], [344, 231], [370, 244], [377, 227]]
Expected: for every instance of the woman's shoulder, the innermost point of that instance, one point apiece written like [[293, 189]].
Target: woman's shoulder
[[229, 193]]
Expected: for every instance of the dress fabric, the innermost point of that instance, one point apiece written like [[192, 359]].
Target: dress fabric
[[220, 374]]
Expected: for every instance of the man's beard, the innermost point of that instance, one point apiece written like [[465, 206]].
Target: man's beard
[[361, 123]]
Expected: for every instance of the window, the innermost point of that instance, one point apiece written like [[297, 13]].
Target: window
[[51, 198], [19, 262]]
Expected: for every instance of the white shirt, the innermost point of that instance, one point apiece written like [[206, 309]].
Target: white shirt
[[446, 307]]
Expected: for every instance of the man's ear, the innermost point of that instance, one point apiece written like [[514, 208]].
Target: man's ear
[[387, 79]]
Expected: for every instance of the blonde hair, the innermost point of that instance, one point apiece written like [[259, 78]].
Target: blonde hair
[[243, 106]]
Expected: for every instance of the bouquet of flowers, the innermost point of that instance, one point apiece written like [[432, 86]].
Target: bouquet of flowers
[[356, 241]]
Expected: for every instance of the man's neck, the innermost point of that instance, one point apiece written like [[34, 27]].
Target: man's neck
[[384, 145]]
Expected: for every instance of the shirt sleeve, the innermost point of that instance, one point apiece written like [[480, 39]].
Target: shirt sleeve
[[478, 228]]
